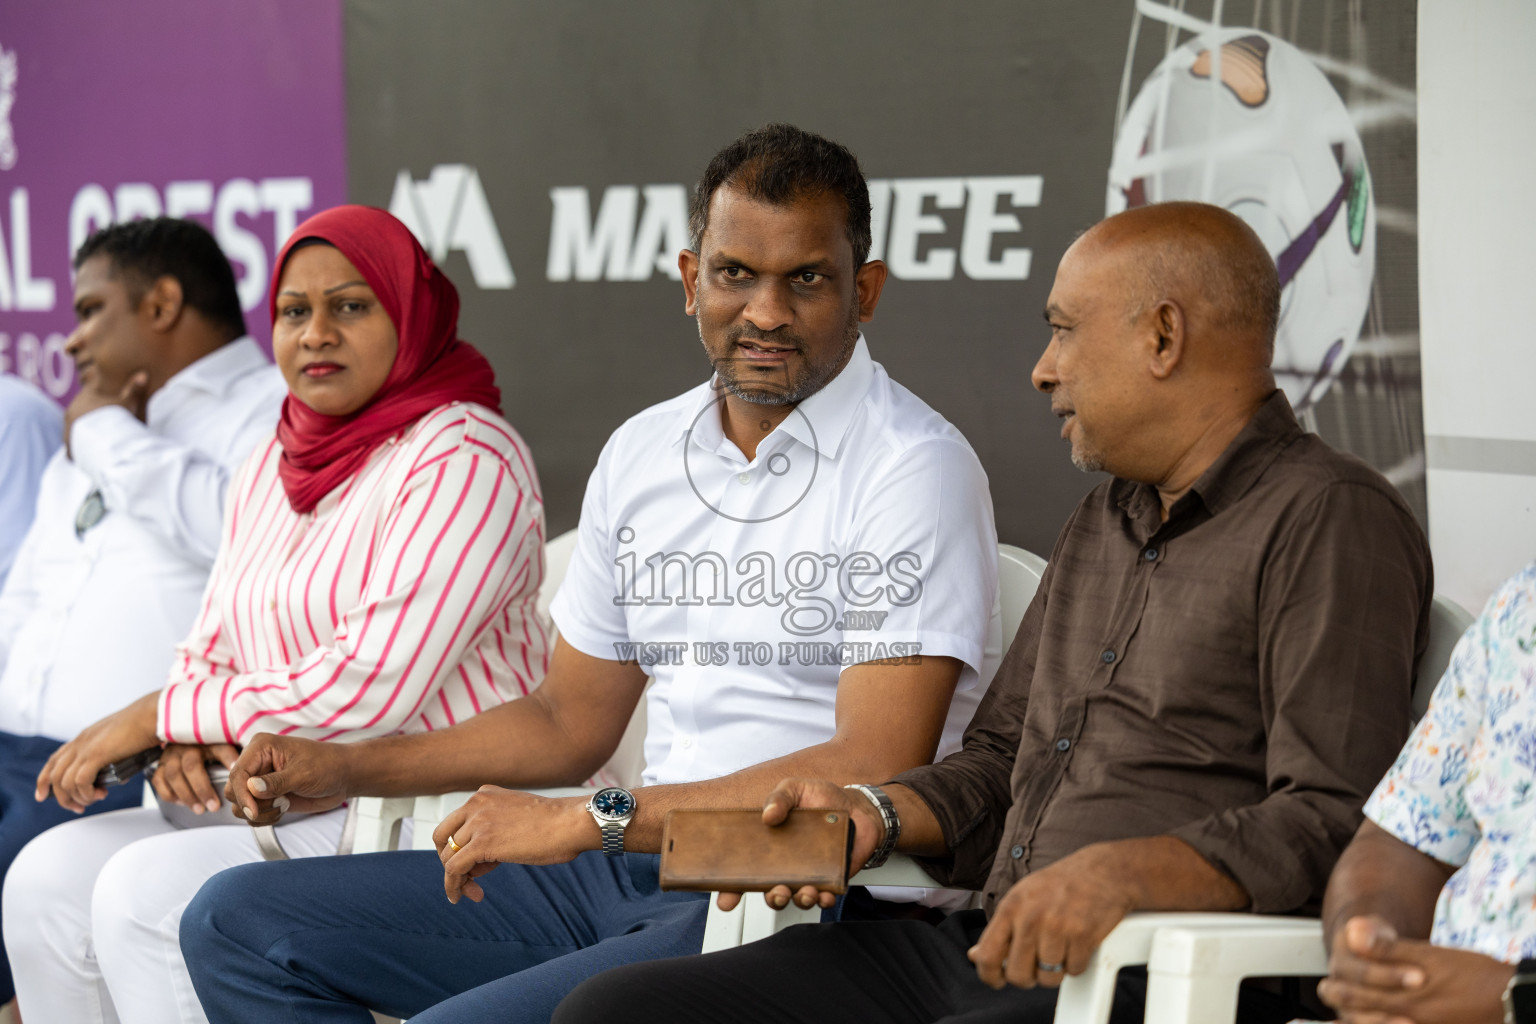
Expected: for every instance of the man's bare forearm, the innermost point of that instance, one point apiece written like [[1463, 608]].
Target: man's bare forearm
[[1169, 874], [520, 745], [1380, 875], [558, 735], [921, 834]]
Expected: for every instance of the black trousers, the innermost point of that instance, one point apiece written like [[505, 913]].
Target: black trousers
[[904, 972]]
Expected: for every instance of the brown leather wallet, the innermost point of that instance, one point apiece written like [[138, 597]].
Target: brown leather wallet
[[710, 850]]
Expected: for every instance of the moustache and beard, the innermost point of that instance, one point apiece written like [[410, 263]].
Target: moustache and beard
[[764, 385]]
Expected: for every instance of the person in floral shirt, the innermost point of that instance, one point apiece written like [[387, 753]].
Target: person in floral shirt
[[1433, 905]]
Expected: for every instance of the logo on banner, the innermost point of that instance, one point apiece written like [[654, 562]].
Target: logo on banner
[[627, 240], [449, 213], [8, 72]]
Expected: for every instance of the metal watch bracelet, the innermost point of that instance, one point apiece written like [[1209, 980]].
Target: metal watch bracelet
[[1520, 995], [887, 811]]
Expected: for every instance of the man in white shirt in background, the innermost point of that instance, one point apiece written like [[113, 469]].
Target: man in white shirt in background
[[798, 556], [31, 430], [108, 579]]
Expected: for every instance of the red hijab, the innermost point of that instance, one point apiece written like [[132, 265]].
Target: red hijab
[[432, 367]]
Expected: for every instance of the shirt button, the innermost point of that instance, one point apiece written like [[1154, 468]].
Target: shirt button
[[1063, 745], [1016, 853], [1150, 554], [1108, 657], [745, 478], [686, 743]]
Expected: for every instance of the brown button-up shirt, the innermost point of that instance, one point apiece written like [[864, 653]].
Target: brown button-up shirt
[[1238, 676]]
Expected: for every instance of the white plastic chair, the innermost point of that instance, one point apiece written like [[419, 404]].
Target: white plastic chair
[[1195, 962], [1018, 577]]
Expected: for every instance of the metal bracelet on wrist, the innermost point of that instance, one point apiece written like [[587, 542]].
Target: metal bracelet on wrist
[[887, 811], [1520, 994]]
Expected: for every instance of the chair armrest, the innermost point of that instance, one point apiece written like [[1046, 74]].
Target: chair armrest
[[1086, 998], [1194, 971], [899, 870], [378, 822]]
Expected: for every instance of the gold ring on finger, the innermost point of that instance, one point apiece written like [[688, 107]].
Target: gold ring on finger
[[455, 847]]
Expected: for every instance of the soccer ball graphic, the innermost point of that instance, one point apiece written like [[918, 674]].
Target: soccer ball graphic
[[1244, 120]]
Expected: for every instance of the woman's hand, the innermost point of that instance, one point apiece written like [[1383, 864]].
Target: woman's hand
[[182, 777], [71, 772]]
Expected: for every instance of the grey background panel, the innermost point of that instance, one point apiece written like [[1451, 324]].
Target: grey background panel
[[1481, 454], [597, 94]]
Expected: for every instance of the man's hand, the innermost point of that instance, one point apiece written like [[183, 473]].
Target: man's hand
[[868, 833], [1375, 977], [71, 772], [499, 826], [1056, 917], [280, 773], [133, 396], [182, 776]]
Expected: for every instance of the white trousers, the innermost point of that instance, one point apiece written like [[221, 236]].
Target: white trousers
[[92, 912]]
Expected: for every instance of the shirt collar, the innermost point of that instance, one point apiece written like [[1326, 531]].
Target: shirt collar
[[218, 373], [820, 422], [1271, 430]]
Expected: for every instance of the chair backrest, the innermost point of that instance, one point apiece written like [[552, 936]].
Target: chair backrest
[[557, 557], [1018, 577], [1447, 622], [628, 760]]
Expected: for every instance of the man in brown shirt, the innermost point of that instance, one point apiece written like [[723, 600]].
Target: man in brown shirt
[[1213, 675]]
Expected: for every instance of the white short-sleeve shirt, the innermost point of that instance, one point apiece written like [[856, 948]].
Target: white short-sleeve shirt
[[861, 530]]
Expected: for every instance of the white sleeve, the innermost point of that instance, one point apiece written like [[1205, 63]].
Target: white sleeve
[[928, 521], [172, 488]]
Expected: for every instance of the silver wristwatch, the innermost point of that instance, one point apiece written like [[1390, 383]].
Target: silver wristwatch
[[1520, 995], [888, 816], [613, 809]]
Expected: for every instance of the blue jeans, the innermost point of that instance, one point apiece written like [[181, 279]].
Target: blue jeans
[[321, 938], [23, 819]]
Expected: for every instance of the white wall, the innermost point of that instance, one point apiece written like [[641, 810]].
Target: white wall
[[1477, 288]]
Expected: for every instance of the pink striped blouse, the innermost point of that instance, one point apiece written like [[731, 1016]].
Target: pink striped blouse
[[404, 602]]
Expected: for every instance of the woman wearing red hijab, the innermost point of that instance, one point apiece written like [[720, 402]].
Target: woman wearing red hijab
[[378, 574]]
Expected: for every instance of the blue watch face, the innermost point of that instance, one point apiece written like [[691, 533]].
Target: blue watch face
[[614, 803]]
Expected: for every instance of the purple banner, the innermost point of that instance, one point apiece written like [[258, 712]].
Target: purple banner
[[230, 114]]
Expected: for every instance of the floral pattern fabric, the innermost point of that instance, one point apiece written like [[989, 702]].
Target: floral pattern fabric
[[1463, 790]]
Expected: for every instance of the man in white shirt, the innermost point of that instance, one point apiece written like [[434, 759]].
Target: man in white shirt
[[799, 558], [31, 430], [108, 579]]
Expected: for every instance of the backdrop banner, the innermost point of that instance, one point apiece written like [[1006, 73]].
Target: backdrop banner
[[544, 152], [230, 114]]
